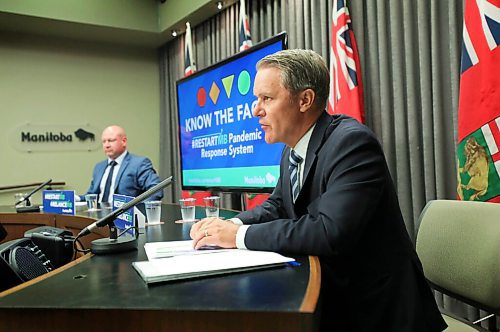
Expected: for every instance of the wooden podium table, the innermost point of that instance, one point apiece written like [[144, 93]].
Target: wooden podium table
[[104, 292]]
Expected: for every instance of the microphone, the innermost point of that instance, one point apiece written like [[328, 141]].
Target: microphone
[[110, 245], [29, 208]]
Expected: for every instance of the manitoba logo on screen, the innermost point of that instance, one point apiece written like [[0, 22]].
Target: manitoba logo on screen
[[243, 81]]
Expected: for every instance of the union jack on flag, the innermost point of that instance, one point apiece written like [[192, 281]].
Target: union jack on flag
[[189, 65], [346, 91], [482, 16], [478, 156], [245, 37]]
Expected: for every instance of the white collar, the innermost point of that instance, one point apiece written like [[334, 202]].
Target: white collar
[[301, 146], [119, 159]]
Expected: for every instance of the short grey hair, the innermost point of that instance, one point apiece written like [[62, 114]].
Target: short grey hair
[[300, 70]]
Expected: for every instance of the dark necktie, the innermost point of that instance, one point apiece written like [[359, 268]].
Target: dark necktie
[[295, 160], [107, 186]]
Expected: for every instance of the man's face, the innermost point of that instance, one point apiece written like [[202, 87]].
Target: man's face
[[113, 143], [278, 112]]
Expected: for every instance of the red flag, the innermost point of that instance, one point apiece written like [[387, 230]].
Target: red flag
[[346, 90], [198, 195], [252, 200], [245, 37], [189, 65], [478, 153]]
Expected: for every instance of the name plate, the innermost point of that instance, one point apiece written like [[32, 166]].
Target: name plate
[[59, 201], [127, 218]]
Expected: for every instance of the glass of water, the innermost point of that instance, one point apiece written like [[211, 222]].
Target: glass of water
[[153, 212], [91, 200], [212, 206], [188, 208]]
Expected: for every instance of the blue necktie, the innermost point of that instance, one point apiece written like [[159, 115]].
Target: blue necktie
[[295, 160], [107, 186]]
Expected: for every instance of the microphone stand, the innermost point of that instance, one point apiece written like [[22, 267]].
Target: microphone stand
[[28, 207], [114, 243]]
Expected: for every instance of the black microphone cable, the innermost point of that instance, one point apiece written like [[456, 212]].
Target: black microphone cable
[[77, 250], [76, 240]]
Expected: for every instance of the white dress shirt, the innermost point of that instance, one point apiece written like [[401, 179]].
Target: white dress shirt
[[119, 162]]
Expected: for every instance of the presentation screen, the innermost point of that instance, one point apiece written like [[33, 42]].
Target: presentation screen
[[222, 145]]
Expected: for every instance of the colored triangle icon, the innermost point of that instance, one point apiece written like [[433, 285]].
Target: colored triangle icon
[[228, 84]]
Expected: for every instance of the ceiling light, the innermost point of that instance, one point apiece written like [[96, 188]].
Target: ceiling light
[[174, 33], [219, 5]]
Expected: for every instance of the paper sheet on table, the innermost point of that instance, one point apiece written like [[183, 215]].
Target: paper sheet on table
[[155, 250], [196, 266]]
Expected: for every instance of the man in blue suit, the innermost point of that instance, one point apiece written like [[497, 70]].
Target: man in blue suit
[[131, 175], [335, 199]]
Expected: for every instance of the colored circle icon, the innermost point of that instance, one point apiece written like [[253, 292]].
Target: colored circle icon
[[244, 82], [202, 97]]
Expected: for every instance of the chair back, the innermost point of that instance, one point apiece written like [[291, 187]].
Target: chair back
[[458, 243]]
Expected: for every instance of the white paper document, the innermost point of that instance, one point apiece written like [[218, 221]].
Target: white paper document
[[201, 265], [155, 250]]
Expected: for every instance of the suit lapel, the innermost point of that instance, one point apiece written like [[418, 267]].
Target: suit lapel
[[320, 133], [315, 144], [123, 166], [100, 174]]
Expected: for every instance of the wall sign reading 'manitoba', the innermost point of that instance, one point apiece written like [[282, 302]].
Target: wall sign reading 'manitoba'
[[33, 137]]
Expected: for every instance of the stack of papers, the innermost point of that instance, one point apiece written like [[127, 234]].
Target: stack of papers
[[190, 263], [156, 250]]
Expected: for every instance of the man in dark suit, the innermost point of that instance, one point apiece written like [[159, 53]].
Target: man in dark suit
[[335, 199], [131, 175]]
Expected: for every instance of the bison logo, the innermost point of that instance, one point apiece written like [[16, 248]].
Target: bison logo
[[84, 135]]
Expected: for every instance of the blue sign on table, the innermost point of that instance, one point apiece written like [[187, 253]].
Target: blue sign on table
[[59, 201], [126, 219]]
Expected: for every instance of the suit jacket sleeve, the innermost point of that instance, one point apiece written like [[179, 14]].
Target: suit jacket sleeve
[[339, 196]]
